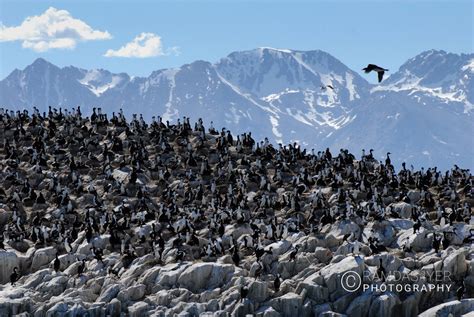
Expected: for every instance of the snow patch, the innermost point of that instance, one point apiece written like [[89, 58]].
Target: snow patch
[[282, 50], [170, 113], [98, 82], [438, 139], [469, 66], [278, 134], [350, 86]]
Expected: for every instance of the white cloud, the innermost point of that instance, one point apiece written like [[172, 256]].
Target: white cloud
[[54, 29], [143, 45], [173, 51]]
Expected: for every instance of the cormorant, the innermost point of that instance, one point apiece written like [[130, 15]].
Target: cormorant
[[381, 271], [277, 283], [14, 276], [236, 257], [81, 268], [372, 67], [294, 253], [244, 291], [57, 263]]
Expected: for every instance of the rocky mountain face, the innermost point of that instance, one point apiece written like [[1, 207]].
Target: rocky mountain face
[[422, 113]]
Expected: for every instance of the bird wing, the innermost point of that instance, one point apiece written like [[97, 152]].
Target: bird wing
[[370, 68], [330, 87], [380, 76]]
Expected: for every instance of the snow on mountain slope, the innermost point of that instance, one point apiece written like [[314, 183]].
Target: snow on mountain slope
[[99, 81], [422, 113], [295, 86], [420, 134], [445, 77]]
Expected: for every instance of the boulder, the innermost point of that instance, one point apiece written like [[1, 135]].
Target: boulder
[[333, 272], [267, 311], [322, 254], [383, 231], [59, 309], [66, 260], [9, 261], [138, 309], [109, 293], [410, 305], [321, 308], [403, 209], [401, 224], [4, 217], [43, 257], [10, 306], [77, 309], [341, 304], [237, 232], [390, 262], [168, 276], [419, 242], [387, 304], [201, 276], [414, 196], [455, 262], [360, 306], [35, 278], [54, 287], [328, 241], [279, 248], [100, 242], [452, 308], [341, 228], [133, 293], [258, 291], [243, 309], [288, 305], [315, 289], [148, 278]]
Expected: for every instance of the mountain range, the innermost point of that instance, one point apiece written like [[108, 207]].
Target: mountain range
[[422, 113]]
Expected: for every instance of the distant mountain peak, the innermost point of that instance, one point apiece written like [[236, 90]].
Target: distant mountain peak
[[41, 63]]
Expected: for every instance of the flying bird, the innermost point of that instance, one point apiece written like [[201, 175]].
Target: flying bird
[[380, 71], [323, 87]]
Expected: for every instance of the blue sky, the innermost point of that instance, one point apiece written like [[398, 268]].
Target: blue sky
[[356, 32]]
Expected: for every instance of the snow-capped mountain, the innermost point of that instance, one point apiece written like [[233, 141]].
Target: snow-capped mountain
[[421, 113], [309, 88], [446, 77]]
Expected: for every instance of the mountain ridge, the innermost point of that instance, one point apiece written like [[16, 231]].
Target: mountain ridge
[[283, 95]]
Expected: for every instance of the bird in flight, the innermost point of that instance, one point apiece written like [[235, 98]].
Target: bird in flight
[[327, 86], [380, 71]]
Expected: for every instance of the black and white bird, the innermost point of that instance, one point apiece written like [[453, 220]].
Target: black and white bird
[[372, 67], [460, 291], [236, 257], [277, 283], [82, 267], [243, 292], [57, 263], [14, 276], [294, 253]]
